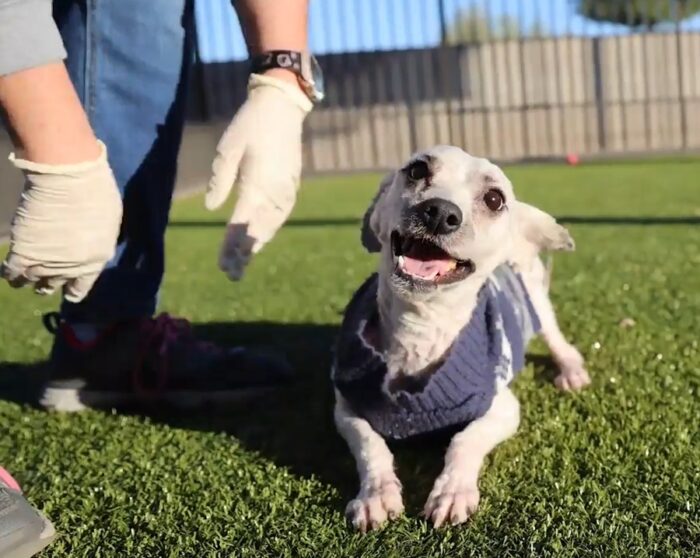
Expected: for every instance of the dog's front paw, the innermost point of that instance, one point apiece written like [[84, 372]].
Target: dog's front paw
[[379, 499], [573, 376], [453, 498]]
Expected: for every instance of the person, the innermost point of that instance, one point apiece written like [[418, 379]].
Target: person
[[97, 140]]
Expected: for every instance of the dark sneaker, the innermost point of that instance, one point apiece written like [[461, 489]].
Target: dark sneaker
[[23, 530], [152, 360]]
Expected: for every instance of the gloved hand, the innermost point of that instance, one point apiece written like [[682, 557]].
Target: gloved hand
[[65, 228], [260, 152]]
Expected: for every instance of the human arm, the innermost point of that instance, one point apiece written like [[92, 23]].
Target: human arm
[[65, 226], [260, 152]]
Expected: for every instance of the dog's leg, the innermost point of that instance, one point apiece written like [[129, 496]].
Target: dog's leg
[[572, 372], [455, 494], [379, 497]]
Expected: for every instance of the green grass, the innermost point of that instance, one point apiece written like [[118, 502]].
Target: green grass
[[613, 471]]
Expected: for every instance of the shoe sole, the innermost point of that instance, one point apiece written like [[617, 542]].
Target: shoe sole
[[75, 400], [34, 546]]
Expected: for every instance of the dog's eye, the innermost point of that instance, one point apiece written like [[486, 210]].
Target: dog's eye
[[418, 170], [494, 199]]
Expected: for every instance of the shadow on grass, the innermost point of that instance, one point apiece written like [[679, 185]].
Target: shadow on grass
[[292, 223], [21, 382], [545, 368], [291, 425], [626, 220], [564, 219]]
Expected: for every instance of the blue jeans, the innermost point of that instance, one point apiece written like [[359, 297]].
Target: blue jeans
[[129, 61]]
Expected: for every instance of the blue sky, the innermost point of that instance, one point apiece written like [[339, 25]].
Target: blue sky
[[351, 25]]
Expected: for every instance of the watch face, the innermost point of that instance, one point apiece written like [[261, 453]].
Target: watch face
[[317, 75], [314, 79]]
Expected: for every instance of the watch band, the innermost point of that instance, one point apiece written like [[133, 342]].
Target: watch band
[[302, 64], [288, 59]]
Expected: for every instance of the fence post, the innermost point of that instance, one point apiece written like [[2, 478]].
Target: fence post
[[599, 95], [443, 22], [681, 84]]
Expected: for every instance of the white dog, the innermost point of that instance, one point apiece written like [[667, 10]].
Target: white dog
[[432, 341]]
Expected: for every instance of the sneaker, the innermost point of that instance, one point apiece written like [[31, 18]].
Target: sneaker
[[151, 360], [23, 530]]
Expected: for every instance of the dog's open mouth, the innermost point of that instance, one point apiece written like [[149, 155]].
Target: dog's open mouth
[[423, 261]]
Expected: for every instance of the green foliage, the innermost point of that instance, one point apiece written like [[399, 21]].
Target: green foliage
[[472, 25], [637, 13], [611, 472]]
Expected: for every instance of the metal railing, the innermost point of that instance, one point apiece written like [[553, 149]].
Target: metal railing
[[507, 79]]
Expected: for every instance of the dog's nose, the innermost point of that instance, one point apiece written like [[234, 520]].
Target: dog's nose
[[439, 216]]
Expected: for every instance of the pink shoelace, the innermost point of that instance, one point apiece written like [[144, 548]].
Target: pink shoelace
[[161, 334]]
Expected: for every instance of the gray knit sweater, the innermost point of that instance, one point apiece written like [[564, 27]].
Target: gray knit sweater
[[487, 353]]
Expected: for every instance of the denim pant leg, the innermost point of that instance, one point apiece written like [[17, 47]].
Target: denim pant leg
[[129, 61]]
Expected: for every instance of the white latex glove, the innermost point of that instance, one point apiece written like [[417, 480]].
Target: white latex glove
[[260, 152], [65, 228]]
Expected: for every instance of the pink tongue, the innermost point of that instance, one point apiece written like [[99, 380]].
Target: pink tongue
[[426, 268]]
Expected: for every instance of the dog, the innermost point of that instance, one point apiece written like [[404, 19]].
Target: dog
[[432, 340]]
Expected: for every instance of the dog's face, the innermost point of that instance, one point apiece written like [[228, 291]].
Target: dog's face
[[440, 218]]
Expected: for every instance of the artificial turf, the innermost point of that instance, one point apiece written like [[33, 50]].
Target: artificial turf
[[613, 471]]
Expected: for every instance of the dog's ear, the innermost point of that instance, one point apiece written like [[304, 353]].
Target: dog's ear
[[370, 232], [541, 229]]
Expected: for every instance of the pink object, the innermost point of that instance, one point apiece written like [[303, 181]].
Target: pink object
[[572, 159], [7, 480], [427, 269], [164, 332]]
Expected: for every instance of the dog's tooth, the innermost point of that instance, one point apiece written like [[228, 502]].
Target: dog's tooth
[[401, 260]]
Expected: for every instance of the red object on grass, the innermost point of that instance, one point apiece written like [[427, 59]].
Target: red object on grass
[[572, 159]]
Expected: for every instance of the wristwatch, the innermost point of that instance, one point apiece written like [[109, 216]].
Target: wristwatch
[[303, 64]]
